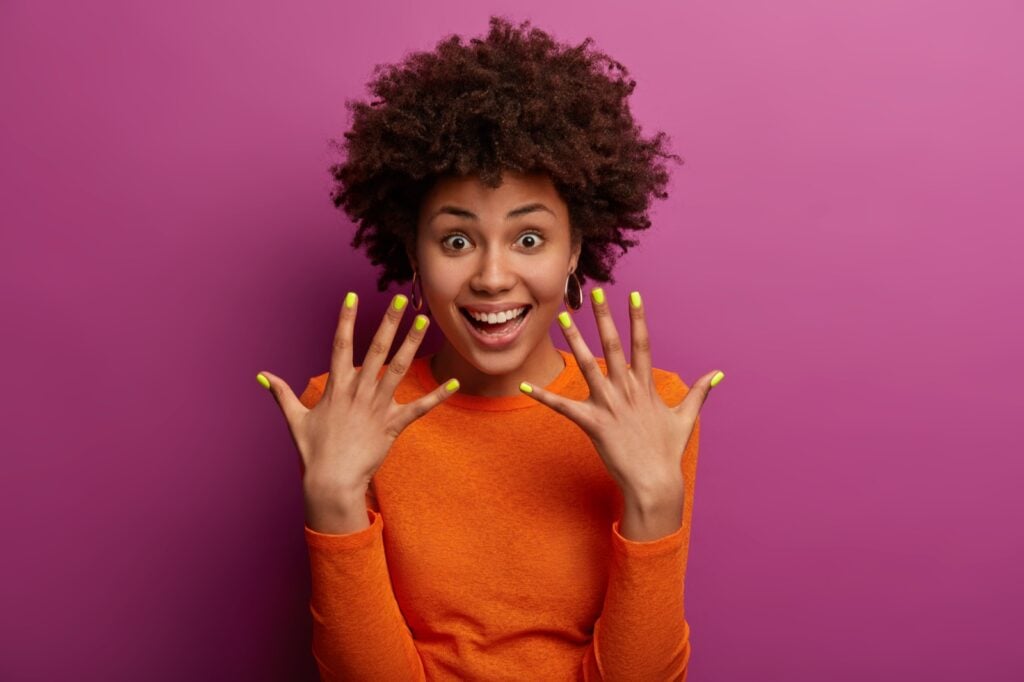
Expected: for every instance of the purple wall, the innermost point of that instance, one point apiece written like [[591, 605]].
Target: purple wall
[[844, 240]]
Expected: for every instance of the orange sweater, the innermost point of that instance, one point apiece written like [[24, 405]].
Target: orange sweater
[[494, 553]]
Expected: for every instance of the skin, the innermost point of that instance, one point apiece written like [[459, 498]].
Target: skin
[[469, 250]]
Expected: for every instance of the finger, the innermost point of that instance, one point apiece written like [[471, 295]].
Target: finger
[[381, 343], [640, 350], [341, 353], [568, 408], [614, 356], [584, 358], [285, 397], [291, 407], [410, 412], [693, 402], [403, 359]]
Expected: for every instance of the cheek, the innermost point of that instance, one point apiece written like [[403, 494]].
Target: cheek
[[552, 284], [439, 286]]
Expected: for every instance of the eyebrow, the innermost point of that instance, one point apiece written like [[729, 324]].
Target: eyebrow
[[514, 213]]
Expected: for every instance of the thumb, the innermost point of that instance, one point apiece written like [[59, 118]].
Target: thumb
[[283, 394], [698, 393], [568, 408]]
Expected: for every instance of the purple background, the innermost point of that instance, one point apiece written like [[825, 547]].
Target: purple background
[[844, 241]]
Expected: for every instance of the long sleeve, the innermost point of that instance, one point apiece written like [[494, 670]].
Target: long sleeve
[[359, 632], [642, 633]]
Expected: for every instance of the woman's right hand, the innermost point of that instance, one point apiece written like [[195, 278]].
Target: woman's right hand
[[345, 438]]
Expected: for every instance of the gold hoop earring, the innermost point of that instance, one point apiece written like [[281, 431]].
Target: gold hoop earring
[[576, 301], [417, 302]]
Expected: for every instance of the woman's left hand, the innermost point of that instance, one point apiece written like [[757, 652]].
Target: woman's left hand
[[639, 437]]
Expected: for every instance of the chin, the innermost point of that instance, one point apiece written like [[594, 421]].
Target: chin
[[495, 363]]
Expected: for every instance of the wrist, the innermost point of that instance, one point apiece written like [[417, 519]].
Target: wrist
[[651, 516], [336, 515], [654, 495], [330, 488]]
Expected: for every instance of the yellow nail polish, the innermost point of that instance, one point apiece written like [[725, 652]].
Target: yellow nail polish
[[717, 378], [350, 299], [399, 301], [420, 323], [564, 320], [597, 295], [264, 382], [634, 299], [452, 386], [525, 387]]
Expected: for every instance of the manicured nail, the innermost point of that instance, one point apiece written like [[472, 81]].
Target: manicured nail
[[399, 301], [525, 387], [717, 378], [350, 299], [420, 323], [634, 299], [597, 295], [564, 320], [264, 382], [452, 386]]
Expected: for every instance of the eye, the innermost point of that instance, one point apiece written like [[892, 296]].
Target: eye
[[531, 240], [455, 242]]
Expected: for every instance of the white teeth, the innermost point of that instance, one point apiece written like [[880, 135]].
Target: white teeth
[[495, 318]]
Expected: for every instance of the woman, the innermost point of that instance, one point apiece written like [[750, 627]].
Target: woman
[[535, 524]]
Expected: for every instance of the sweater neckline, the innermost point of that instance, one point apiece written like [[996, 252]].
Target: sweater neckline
[[421, 370]]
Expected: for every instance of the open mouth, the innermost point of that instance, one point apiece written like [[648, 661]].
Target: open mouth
[[499, 327]]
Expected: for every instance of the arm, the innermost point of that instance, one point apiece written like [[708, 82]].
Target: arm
[[639, 419], [342, 439], [642, 633], [359, 632]]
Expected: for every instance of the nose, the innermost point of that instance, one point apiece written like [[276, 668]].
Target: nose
[[495, 272]]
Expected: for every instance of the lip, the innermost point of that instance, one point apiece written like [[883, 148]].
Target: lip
[[497, 342], [493, 307]]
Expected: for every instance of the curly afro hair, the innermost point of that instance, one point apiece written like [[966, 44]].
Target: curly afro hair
[[513, 100]]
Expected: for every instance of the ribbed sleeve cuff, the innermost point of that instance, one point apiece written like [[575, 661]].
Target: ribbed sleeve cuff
[[361, 538], [669, 544]]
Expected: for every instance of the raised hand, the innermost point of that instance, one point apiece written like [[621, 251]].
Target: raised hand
[[639, 438], [345, 438]]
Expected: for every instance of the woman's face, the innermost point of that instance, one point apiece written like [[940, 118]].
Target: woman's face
[[482, 250]]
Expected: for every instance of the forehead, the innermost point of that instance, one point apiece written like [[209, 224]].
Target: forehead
[[516, 189]]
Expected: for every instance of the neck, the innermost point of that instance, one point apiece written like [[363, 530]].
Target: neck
[[540, 368]]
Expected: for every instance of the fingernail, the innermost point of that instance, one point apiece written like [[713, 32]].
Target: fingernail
[[264, 382], [525, 387], [597, 295], [717, 378], [350, 299], [634, 299], [564, 320], [399, 301], [420, 323], [452, 386]]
